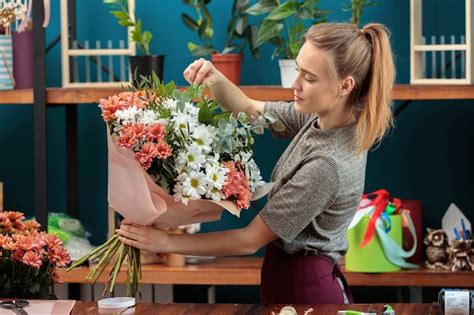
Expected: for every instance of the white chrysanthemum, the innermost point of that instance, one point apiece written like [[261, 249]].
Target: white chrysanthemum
[[128, 115], [195, 185], [179, 195], [191, 110], [194, 157], [215, 194], [216, 176], [182, 122], [148, 117], [253, 174], [170, 104], [202, 138]]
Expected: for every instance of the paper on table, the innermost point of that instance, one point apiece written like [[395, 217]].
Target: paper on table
[[452, 219], [45, 307], [133, 194]]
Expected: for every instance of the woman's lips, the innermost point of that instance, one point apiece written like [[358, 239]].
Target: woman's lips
[[297, 98]]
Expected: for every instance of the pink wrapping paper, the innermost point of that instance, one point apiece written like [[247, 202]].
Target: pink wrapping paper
[[133, 194]]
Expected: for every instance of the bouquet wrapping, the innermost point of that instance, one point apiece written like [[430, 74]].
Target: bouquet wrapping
[[174, 158]]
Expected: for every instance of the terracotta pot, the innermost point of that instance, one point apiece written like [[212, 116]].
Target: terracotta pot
[[229, 65]]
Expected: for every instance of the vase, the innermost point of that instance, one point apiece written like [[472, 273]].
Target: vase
[[23, 59], [229, 65], [288, 72], [6, 63]]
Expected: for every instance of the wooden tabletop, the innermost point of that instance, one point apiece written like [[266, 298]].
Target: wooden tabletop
[[246, 271], [257, 309], [59, 96]]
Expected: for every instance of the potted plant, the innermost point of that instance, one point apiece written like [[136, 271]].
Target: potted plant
[[283, 27], [239, 35], [146, 63], [356, 7]]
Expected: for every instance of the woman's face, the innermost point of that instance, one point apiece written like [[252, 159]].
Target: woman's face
[[315, 89]]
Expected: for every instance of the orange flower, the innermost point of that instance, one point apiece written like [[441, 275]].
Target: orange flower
[[31, 225], [59, 256], [156, 132], [164, 150], [32, 259], [146, 155], [237, 186]]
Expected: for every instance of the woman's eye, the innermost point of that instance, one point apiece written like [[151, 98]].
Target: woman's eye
[[309, 78]]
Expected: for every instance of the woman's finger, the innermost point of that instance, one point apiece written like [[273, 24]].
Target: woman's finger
[[130, 242], [203, 72]]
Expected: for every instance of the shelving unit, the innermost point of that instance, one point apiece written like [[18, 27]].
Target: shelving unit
[[70, 97]]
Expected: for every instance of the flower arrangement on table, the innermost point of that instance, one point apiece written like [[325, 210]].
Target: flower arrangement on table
[[28, 258], [174, 159]]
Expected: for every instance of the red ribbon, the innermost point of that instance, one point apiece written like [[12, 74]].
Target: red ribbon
[[380, 202]]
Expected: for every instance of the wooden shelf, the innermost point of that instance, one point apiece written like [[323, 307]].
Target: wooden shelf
[[58, 96], [246, 271]]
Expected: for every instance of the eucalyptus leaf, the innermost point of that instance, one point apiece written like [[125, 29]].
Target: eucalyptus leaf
[[279, 126]]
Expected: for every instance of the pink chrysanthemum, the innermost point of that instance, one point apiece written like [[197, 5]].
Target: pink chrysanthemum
[[237, 186], [32, 259]]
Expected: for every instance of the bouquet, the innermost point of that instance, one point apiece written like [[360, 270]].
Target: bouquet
[[28, 258], [174, 159]]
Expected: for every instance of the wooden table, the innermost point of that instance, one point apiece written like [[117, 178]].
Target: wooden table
[[246, 271], [256, 309]]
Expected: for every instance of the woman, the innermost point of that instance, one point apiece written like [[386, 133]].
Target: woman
[[341, 108]]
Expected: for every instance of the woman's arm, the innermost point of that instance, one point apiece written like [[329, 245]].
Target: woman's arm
[[244, 241], [230, 96]]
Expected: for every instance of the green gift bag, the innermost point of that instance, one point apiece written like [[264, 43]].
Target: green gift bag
[[384, 253], [372, 257]]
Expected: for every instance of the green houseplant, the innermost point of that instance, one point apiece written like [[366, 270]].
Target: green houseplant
[[239, 35], [356, 7], [283, 26], [145, 63]]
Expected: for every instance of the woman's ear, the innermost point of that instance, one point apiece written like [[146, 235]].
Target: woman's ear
[[347, 85]]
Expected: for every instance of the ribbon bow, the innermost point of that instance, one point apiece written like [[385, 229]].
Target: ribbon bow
[[379, 199]]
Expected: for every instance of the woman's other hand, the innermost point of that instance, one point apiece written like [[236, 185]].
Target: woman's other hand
[[202, 71], [143, 237]]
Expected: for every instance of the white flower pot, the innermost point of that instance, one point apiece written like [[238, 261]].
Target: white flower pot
[[288, 72]]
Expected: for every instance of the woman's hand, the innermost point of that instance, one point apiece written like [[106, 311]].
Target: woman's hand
[[143, 237], [202, 71]]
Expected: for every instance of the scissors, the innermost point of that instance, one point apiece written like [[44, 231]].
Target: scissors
[[16, 306]]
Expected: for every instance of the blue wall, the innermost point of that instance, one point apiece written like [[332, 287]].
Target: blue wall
[[428, 155]]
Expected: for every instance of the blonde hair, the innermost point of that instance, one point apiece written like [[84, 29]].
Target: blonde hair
[[366, 55]]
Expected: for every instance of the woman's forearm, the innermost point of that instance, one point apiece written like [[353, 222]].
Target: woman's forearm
[[223, 243], [232, 98]]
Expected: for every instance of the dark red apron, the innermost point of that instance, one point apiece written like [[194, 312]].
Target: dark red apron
[[300, 279]]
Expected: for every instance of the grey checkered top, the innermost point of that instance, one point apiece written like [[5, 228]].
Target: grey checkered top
[[319, 180]]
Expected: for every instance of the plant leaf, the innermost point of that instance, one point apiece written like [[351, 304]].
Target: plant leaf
[[283, 11], [189, 22], [267, 31]]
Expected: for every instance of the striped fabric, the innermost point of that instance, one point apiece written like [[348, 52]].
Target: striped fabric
[[6, 62]]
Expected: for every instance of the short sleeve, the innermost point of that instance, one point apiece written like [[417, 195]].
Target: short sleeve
[[292, 120], [313, 188]]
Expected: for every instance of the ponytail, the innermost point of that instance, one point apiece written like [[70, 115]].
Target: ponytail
[[375, 117]]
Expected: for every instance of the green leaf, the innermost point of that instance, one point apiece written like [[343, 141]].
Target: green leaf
[[125, 23], [120, 15], [259, 9], [241, 25], [283, 11], [189, 22], [268, 30], [147, 36], [188, 2], [201, 51], [111, 1], [229, 49]]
